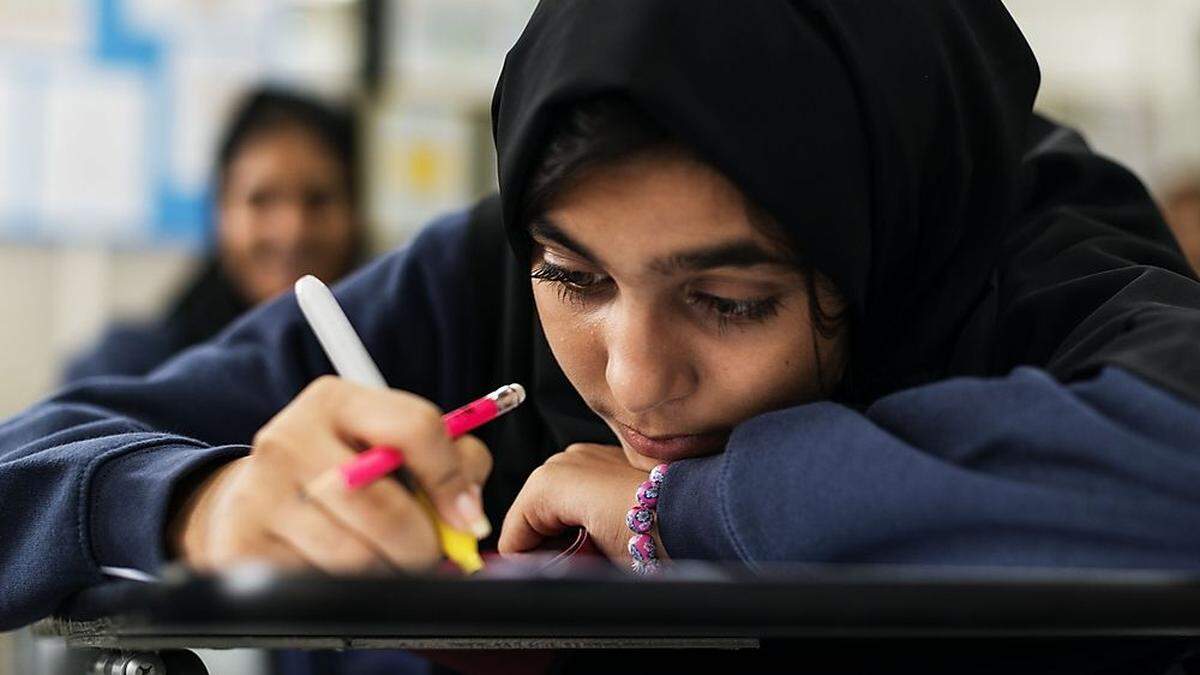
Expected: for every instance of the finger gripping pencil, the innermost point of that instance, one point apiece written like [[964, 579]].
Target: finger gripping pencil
[[352, 362]]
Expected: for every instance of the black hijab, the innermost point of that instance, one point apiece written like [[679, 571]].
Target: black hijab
[[895, 141], [884, 136]]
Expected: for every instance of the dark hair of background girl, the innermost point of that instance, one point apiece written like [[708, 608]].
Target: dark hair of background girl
[[607, 130], [269, 110]]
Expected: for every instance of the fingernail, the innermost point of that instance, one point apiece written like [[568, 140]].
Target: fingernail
[[472, 513]]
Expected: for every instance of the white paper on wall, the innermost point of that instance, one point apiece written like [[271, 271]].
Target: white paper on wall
[[94, 182]]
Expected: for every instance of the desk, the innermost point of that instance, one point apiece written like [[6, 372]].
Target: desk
[[698, 606]]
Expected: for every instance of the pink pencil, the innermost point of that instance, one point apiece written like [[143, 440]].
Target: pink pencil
[[380, 460]]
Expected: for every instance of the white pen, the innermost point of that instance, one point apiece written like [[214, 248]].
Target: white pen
[[337, 337]]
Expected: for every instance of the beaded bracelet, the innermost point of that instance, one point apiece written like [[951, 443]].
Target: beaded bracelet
[[640, 520]]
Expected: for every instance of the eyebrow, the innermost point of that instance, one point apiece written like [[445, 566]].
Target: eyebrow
[[736, 253], [542, 228]]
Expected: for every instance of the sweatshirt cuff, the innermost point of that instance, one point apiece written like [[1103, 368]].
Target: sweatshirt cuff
[[131, 495], [691, 518]]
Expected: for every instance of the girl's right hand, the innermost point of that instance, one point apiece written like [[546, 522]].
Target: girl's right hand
[[286, 502]]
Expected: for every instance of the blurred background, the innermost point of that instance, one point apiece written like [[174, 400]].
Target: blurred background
[[111, 112]]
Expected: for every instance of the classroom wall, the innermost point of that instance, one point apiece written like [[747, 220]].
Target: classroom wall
[[1127, 73], [56, 300]]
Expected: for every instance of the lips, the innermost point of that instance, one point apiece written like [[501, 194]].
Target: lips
[[672, 448]]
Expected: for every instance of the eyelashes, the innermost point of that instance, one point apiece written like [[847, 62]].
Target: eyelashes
[[576, 287], [729, 311], [573, 285]]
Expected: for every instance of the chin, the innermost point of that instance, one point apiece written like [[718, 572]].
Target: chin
[[639, 461]]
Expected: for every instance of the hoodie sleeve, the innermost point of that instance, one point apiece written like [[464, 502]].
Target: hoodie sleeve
[[1020, 470], [87, 476]]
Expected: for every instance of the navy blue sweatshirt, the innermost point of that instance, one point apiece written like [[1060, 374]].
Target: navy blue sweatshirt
[[1015, 470], [208, 304]]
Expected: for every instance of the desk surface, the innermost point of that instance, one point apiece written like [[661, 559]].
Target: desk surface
[[698, 606]]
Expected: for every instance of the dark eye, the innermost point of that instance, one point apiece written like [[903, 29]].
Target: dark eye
[[259, 199], [572, 284], [728, 310], [317, 199]]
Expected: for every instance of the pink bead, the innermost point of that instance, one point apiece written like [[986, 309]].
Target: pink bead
[[641, 548], [647, 495], [646, 568], [657, 474], [640, 520]]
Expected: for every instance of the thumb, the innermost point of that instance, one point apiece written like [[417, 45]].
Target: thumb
[[532, 518]]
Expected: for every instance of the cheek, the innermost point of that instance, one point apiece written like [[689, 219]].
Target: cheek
[[332, 235], [245, 226], [234, 230], [345, 228], [575, 343], [767, 371]]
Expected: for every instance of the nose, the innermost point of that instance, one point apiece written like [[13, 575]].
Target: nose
[[292, 222], [286, 219], [648, 362]]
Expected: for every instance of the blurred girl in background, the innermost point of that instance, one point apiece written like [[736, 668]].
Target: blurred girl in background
[[286, 188]]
